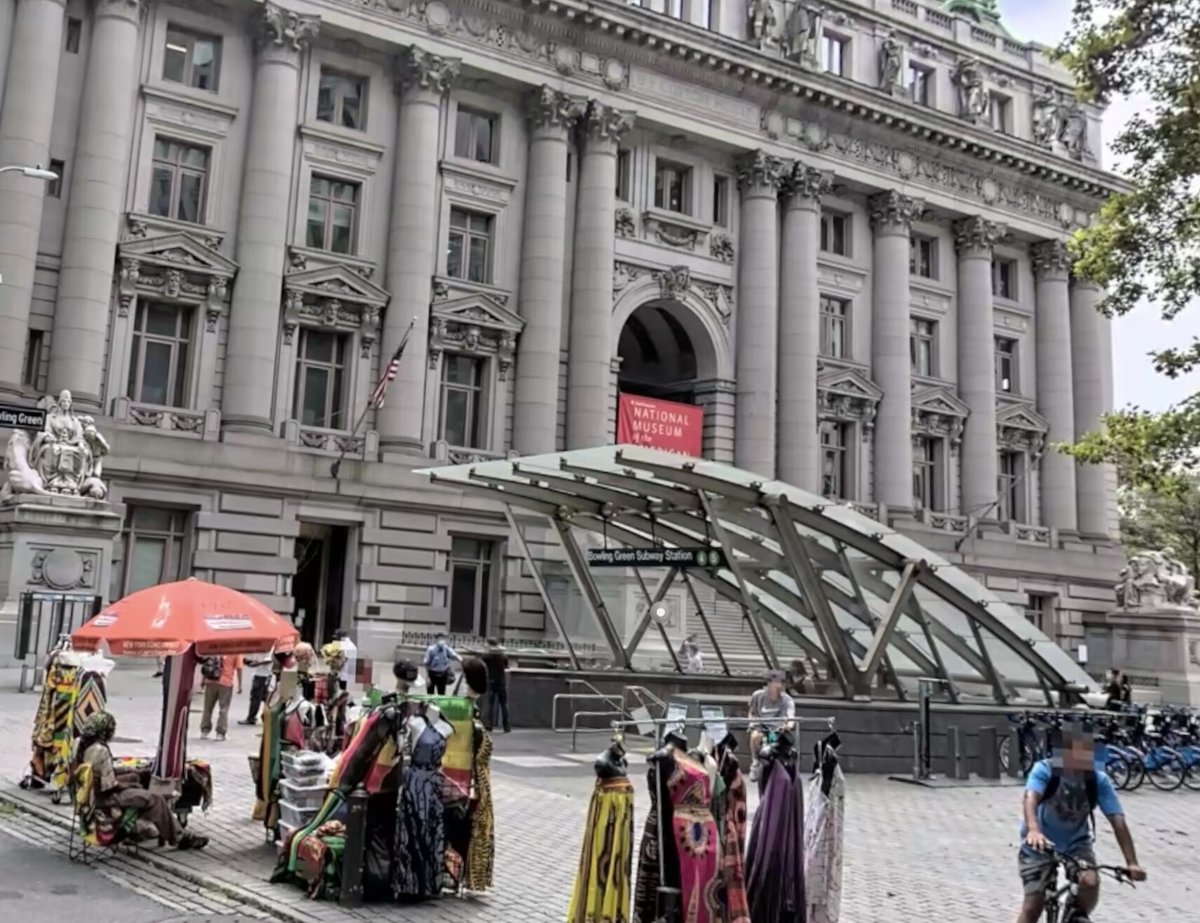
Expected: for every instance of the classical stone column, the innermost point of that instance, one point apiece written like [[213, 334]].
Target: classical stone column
[[892, 215], [30, 91], [535, 413], [250, 356], [759, 177], [423, 80], [8, 10], [1091, 354], [590, 341], [974, 238], [1055, 387], [96, 197], [800, 327]]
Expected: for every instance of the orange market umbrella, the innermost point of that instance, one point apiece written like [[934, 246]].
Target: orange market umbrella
[[165, 620]]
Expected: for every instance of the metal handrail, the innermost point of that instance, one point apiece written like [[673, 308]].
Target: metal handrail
[[621, 723], [641, 694], [578, 697], [594, 691]]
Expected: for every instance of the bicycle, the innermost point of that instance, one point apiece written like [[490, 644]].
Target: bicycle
[[1061, 906]]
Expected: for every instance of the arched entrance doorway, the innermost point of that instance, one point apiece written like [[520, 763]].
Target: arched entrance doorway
[[658, 354]]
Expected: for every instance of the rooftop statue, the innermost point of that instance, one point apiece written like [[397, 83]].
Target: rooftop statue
[[65, 458]]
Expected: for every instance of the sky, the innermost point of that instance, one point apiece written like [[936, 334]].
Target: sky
[[1137, 333]]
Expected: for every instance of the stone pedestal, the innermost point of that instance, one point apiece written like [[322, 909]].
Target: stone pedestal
[[53, 545], [1159, 649]]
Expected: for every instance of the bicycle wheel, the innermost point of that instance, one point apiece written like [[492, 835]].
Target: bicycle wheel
[[1119, 771], [1137, 769], [1002, 756], [1168, 770], [1192, 777]]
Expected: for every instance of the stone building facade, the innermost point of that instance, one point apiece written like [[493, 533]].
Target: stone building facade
[[837, 227]]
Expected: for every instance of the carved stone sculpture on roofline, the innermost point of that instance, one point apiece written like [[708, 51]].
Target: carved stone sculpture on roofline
[[1156, 580], [65, 458]]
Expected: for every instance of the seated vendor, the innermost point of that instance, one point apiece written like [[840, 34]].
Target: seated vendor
[[124, 791]]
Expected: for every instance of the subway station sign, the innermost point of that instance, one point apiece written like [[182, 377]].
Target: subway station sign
[[13, 416], [655, 557]]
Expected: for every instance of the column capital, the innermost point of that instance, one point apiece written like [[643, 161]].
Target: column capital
[[803, 186], [122, 9], [893, 213], [601, 122], [546, 107], [760, 173], [1051, 259], [417, 69], [284, 33], [977, 236]]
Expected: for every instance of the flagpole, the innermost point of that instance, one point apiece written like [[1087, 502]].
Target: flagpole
[[336, 468]]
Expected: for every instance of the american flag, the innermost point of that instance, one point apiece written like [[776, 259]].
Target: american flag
[[393, 367]]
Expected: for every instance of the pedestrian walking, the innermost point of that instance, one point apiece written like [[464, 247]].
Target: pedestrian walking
[[350, 650], [496, 661], [437, 663], [689, 652], [220, 674], [260, 687]]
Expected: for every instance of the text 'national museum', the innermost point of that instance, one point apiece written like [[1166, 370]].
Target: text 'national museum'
[[823, 242]]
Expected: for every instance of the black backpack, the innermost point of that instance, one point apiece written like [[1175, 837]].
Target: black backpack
[[1091, 786], [210, 668]]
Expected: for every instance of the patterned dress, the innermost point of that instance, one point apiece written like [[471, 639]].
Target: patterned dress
[[481, 854], [696, 841], [733, 845], [823, 828], [601, 892], [420, 829]]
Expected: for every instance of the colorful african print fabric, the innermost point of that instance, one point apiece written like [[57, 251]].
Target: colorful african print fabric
[[54, 726], [601, 893], [481, 854]]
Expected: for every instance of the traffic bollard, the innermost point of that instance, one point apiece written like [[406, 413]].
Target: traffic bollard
[[355, 850]]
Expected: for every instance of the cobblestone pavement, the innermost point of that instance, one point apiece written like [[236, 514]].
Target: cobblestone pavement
[[911, 853]]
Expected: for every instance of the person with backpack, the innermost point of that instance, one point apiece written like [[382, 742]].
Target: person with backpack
[[219, 674], [437, 663], [1061, 797]]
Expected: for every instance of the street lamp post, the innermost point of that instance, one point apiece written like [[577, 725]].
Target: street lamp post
[[33, 173]]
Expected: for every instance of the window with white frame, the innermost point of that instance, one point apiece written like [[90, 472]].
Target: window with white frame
[[35, 345], [73, 36], [471, 561], [475, 135], [835, 54], [922, 346], [920, 84], [624, 161], [332, 214], [1006, 365], [1004, 278], [720, 215], [320, 395], [925, 460], [469, 246], [1039, 612], [155, 540], [1000, 112], [158, 360], [1011, 505], [835, 317], [835, 233], [191, 58], [179, 180], [342, 99], [462, 417], [922, 256], [835, 461], [672, 186]]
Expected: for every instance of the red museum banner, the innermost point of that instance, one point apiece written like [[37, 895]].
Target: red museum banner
[[666, 425]]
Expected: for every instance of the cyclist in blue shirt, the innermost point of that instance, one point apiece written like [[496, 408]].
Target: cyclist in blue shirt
[[1061, 796]]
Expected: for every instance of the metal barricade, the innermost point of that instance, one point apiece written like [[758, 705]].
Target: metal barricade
[[42, 618]]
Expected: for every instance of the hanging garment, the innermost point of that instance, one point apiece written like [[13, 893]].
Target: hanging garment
[[824, 825], [54, 725], [775, 856], [649, 879], [697, 844], [481, 853], [420, 831], [601, 893], [92, 695], [735, 908]]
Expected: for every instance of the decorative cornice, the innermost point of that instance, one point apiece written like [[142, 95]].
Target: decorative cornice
[[418, 69], [1051, 259], [546, 107], [605, 123], [759, 173], [978, 235], [123, 9], [892, 211], [804, 185], [283, 30]]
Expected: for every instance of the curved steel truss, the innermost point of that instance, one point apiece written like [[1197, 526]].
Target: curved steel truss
[[871, 609]]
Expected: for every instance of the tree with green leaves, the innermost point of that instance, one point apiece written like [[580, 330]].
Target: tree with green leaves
[[1145, 245], [1153, 520]]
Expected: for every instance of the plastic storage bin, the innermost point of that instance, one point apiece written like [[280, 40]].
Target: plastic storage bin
[[304, 797], [292, 816], [297, 763]]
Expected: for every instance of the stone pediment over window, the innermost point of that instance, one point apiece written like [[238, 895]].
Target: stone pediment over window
[[474, 324], [846, 394], [1019, 427], [938, 411], [167, 263], [334, 296]]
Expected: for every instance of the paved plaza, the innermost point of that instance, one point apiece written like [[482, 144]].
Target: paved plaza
[[911, 853]]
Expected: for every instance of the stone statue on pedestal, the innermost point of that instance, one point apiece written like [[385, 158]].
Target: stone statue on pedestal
[[889, 64], [762, 22], [1156, 580], [802, 34], [65, 458], [972, 100]]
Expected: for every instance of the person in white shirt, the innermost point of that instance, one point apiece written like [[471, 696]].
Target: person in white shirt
[[260, 686], [346, 676]]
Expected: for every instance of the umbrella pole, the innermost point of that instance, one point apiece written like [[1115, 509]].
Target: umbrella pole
[[179, 676]]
